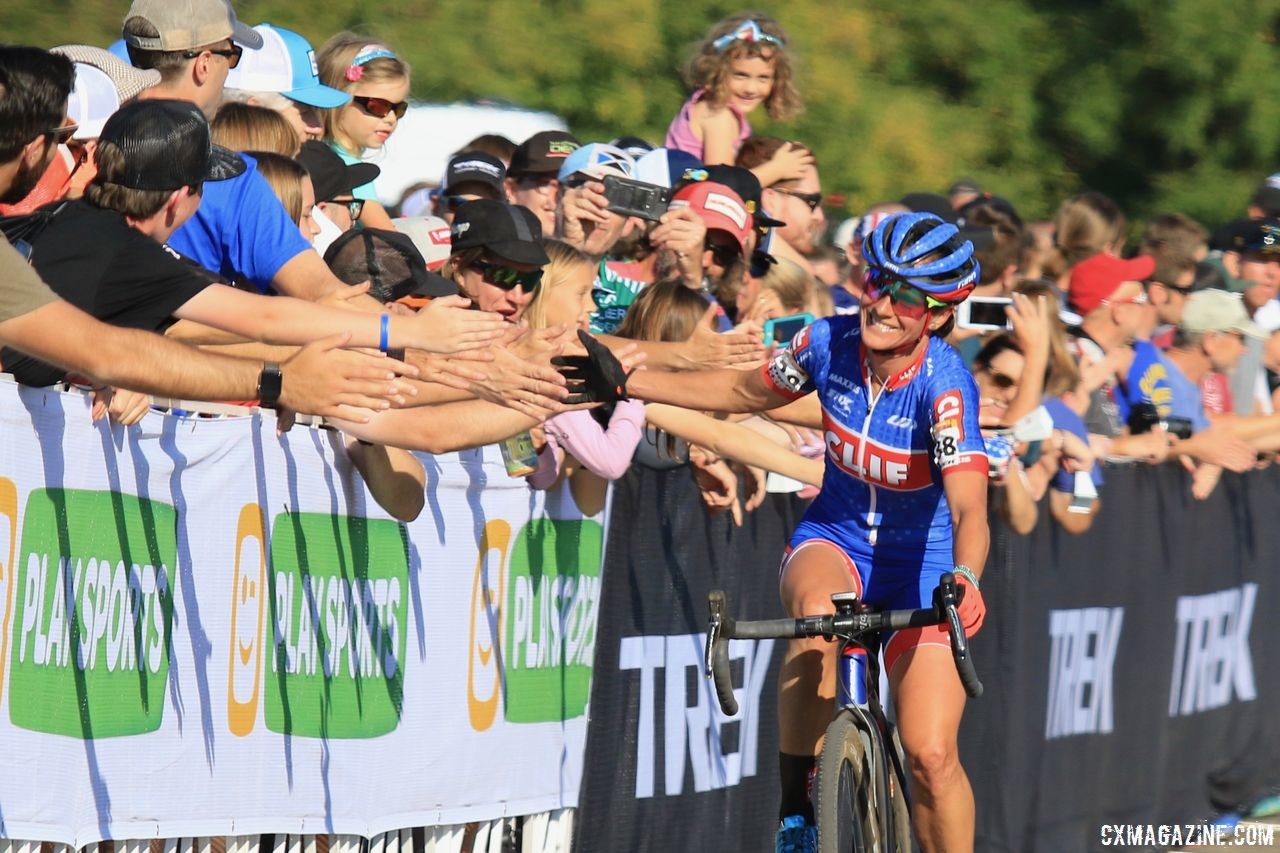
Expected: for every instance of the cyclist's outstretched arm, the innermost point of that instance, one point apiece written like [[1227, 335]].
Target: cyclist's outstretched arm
[[707, 390]]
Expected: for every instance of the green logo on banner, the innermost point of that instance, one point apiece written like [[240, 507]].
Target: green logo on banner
[[553, 596], [338, 598], [90, 646]]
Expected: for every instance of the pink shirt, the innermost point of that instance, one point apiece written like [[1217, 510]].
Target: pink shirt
[[680, 133], [604, 452]]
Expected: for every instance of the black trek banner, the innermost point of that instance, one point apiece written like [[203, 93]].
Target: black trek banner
[[1126, 670]]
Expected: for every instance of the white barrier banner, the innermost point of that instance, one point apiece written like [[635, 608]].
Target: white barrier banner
[[212, 630]]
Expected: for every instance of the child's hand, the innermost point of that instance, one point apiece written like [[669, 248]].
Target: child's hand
[[788, 163]]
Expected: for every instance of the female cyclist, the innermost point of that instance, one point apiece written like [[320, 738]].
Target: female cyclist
[[904, 499]]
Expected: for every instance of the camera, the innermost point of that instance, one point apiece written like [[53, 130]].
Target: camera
[[1143, 416], [636, 198]]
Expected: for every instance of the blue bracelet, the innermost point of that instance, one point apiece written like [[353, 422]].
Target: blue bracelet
[[385, 333]]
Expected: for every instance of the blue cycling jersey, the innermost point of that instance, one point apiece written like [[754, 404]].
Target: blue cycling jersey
[[888, 449]]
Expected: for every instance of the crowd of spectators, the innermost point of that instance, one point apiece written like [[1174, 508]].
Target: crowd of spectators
[[198, 198]]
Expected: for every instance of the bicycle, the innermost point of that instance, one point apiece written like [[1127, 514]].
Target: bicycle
[[860, 798]]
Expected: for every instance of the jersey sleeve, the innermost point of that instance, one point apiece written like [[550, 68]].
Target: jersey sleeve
[[792, 370], [953, 421]]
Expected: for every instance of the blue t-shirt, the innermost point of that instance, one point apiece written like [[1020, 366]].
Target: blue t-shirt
[[241, 230], [882, 499], [1187, 402], [1065, 418], [1146, 382]]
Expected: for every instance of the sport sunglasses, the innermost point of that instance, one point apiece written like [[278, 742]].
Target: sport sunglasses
[[379, 107], [811, 199], [231, 54], [908, 301], [508, 278]]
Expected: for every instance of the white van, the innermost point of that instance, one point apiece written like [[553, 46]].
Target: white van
[[428, 135]]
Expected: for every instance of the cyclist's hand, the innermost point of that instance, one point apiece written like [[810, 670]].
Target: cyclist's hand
[[971, 607]]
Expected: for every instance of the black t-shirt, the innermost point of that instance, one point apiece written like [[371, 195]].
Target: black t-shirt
[[94, 260]]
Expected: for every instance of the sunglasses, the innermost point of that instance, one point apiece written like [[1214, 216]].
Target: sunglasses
[[231, 54], [908, 301], [63, 133], [379, 107], [1003, 381], [811, 199], [722, 254], [508, 278]]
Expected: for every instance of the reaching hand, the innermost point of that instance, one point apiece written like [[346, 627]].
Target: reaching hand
[[597, 377], [1032, 324], [447, 325], [323, 379], [707, 348]]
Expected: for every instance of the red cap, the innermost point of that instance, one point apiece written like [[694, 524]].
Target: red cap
[[1094, 279], [721, 209]]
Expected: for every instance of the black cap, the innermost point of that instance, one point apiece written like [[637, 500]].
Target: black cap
[[633, 145], [745, 183], [510, 231], [1257, 235], [542, 153], [389, 261], [1267, 196], [938, 205], [330, 174], [995, 202], [964, 185], [166, 146], [474, 167]]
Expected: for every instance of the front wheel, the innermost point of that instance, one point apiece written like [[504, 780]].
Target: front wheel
[[848, 792]]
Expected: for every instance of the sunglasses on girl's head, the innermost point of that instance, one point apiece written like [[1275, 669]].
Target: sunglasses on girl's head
[[379, 107], [507, 278], [907, 300]]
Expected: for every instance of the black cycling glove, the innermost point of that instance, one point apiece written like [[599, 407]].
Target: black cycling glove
[[596, 377]]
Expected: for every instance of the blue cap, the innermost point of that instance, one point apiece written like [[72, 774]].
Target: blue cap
[[286, 64], [665, 167], [597, 160]]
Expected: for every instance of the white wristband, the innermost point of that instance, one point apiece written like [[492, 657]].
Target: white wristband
[[967, 574]]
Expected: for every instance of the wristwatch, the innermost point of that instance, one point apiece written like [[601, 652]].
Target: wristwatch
[[270, 383]]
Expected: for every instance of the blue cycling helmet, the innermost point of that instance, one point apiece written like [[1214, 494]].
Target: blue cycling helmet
[[926, 252]]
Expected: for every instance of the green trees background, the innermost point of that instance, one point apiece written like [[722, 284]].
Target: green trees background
[[1163, 104]]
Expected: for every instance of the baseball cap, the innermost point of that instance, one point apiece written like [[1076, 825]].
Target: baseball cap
[[510, 231], [474, 167], [964, 185], [389, 261], [720, 208], [1094, 279], [542, 153], [166, 146], [1267, 196], [430, 234], [184, 24], [843, 234], [285, 63], [665, 167], [102, 83], [636, 146], [1257, 235], [938, 205], [745, 183], [330, 175], [595, 160], [1218, 311]]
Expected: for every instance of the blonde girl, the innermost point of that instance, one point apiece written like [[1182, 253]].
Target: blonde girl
[[741, 64], [378, 82]]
